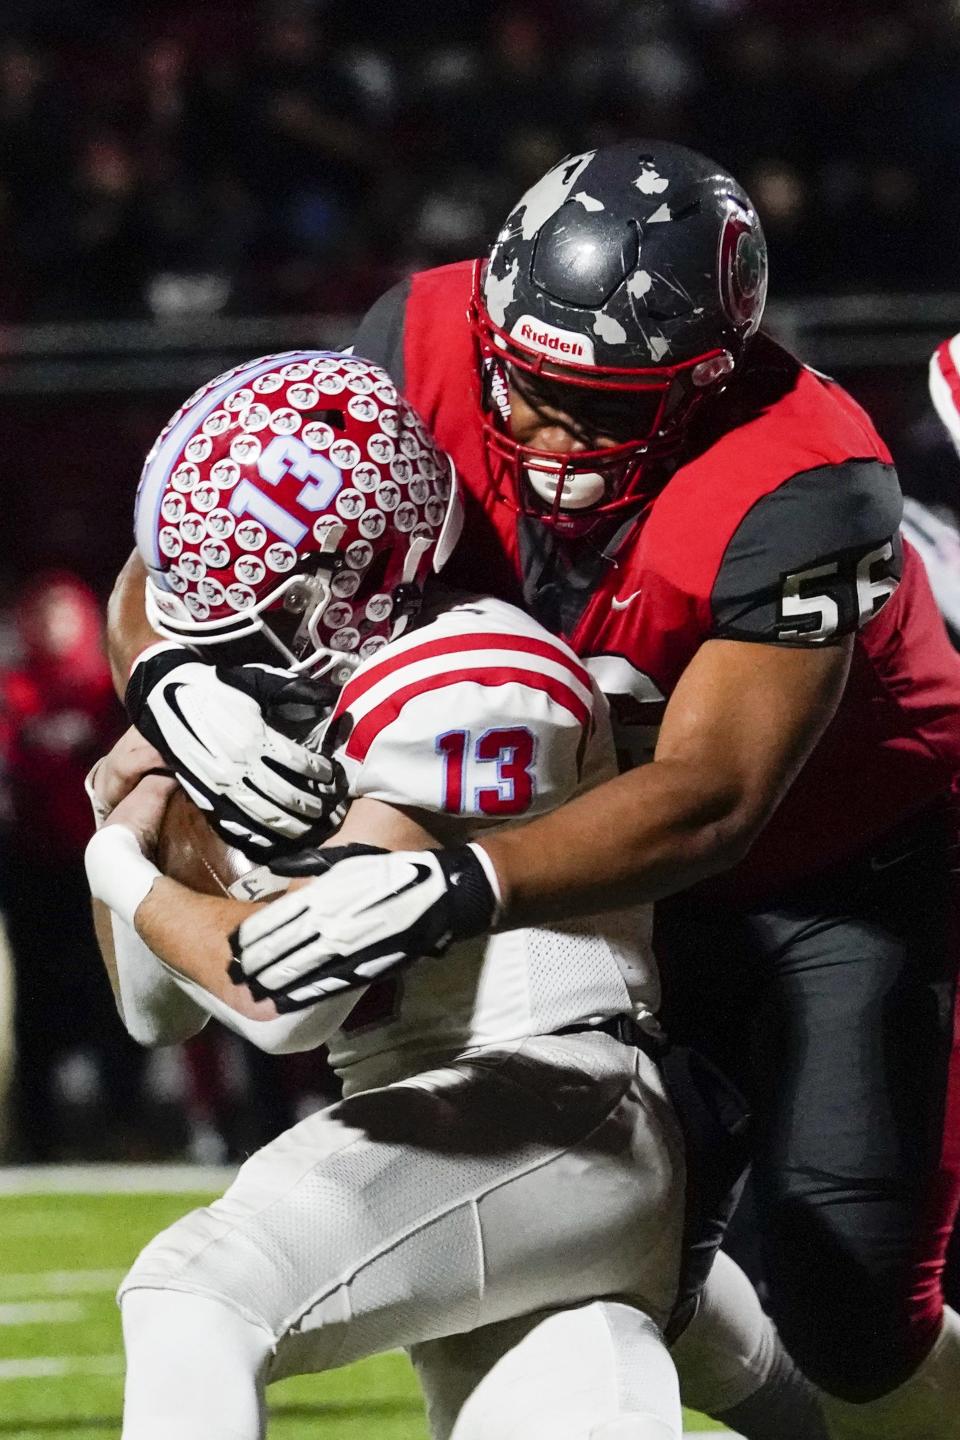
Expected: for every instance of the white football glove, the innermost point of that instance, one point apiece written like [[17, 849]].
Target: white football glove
[[370, 914], [261, 791]]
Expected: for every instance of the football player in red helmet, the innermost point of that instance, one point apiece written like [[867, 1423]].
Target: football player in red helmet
[[297, 504]]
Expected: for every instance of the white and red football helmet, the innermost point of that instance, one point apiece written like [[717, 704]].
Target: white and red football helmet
[[297, 497]]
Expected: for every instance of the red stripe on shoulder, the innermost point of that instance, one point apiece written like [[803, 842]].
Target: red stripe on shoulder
[[457, 645], [366, 730]]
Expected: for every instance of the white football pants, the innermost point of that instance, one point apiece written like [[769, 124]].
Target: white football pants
[[515, 1180], [598, 1371]]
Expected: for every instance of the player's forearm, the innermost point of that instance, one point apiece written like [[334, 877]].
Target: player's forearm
[[189, 932], [740, 725], [638, 838], [128, 632], [149, 998]]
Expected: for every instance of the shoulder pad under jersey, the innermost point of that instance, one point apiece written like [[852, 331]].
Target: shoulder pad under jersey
[[478, 713]]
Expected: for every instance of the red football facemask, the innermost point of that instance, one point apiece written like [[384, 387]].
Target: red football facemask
[[640, 413]]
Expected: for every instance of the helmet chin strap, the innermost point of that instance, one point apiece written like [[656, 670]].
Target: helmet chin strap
[[411, 564], [413, 598]]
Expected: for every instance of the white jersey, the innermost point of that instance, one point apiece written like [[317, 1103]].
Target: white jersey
[[936, 540], [944, 375], [509, 1176], [482, 717]]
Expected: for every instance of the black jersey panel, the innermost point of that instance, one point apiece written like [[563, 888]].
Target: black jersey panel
[[380, 335]]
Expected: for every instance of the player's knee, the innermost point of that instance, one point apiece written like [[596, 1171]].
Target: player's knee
[[166, 1255], [594, 1372], [923, 1406], [840, 1260], [727, 1350], [260, 1258], [851, 1327], [195, 1368], [201, 1255], [179, 1256], [859, 1356]]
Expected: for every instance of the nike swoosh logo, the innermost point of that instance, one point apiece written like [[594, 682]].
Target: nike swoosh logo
[[420, 873], [617, 604], [170, 695]]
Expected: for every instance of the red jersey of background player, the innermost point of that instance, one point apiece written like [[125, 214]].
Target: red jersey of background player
[[57, 714], [778, 524]]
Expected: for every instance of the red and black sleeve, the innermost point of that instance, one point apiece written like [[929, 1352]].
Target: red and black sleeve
[[813, 559]]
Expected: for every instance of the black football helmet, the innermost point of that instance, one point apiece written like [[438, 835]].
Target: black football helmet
[[621, 291]]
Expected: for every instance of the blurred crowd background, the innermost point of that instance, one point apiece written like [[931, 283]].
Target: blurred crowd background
[[182, 186], [251, 157]]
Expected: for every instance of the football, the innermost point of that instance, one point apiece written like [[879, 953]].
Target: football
[[189, 851]]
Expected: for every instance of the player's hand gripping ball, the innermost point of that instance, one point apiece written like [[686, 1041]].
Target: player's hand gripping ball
[[189, 851]]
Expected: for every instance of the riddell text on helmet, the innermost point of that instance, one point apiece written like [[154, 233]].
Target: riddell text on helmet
[[538, 335]]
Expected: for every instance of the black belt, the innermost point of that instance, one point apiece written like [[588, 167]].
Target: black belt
[[625, 1029]]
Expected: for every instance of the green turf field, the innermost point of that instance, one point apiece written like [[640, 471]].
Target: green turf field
[[61, 1257]]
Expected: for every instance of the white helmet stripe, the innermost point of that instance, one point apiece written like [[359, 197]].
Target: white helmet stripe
[[248, 500]]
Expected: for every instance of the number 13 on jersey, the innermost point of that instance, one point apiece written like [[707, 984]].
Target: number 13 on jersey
[[496, 765]]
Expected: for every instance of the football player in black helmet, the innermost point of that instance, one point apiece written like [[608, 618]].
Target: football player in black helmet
[[619, 294]]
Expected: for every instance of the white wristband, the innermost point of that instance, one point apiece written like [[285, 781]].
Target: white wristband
[[118, 872]]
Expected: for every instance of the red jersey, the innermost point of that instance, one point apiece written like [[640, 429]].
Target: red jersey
[[778, 524], [58, 714], [55, 735]]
